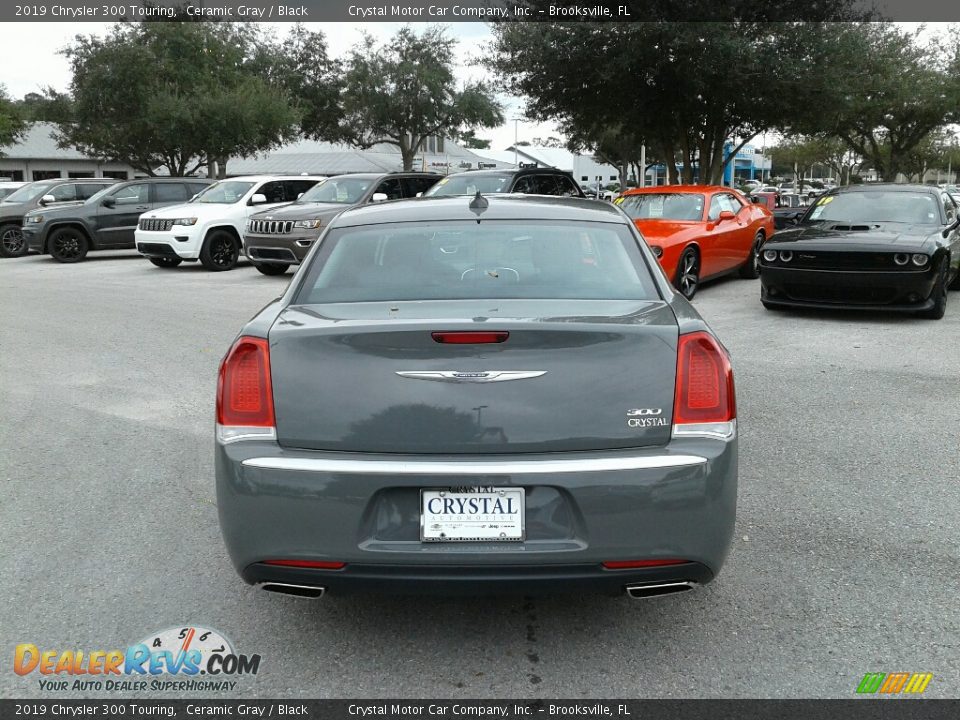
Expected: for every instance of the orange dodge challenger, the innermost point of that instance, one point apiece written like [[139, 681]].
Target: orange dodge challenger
[[699, 231]]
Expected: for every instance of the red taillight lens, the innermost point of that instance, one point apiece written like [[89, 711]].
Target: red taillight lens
[[628, 564], [244, 392], [470, 338], [704, 389], [312, 564]]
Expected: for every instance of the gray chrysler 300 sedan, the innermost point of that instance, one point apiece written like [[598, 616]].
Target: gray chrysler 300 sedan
[[477, 395]]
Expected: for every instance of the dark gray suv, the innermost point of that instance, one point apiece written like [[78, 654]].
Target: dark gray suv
[[280, 237], [40, 194], [107, 220]]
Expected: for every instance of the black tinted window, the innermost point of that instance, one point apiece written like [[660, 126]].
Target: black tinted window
[[171, 192], [88, 190], [274, 191], [62, 193], [415, 185], [296, 188], [391, 188]]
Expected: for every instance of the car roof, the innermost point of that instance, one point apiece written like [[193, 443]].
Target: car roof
[[678, 189], [512, 171], [261, 178], [500, 206], [896, 187], [374, 176], [167, 180]]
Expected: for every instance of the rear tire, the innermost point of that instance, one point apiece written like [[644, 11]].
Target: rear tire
[[939, 296], [220, 251], [162, 262], [272, 268], [68, 245], [750, 270], [12, 243], [687, 280]]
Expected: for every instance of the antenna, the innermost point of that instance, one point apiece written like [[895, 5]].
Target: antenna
[[478, 205]]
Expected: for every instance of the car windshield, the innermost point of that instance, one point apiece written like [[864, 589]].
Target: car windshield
[[663, 206], [348, 191], [28, 192], [873, 206], [493, 259], [224, 193], [469, 184]]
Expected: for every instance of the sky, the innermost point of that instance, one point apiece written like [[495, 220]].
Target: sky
[[29, 62]]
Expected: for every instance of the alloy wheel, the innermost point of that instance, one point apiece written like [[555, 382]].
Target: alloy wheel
[[689, 275], [12, 241], [223, 251], [67, 247]]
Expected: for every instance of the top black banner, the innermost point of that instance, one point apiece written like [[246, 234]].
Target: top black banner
[[447, 11]]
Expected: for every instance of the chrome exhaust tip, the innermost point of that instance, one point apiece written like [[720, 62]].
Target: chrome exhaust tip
[[311, 592], [642, 592]]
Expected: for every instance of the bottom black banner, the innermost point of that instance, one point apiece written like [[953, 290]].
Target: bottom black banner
[[861, 709]]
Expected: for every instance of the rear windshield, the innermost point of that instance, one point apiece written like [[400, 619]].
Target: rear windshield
[[491, 259], [468, 184], [663, 206], [898, 206]]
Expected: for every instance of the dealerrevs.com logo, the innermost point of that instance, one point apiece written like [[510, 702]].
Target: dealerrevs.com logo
[[182, 658]]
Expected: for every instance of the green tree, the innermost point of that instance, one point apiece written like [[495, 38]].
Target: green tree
[[469, 139], [885, 93], [12, 124], [404, 92], [685, 87], [178, 95]]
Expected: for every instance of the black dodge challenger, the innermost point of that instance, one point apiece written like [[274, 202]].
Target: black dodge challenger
[[891, 247]]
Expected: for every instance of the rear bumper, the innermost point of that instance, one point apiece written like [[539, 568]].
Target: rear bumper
[[575, 520], [480, 579], [907, 291]]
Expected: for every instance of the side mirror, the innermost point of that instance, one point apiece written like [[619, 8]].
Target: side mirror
[[950, 228], [47, 199], [419, 194], [299, 195], [379, 197], [258, 199], [108, 202], [725, 215]]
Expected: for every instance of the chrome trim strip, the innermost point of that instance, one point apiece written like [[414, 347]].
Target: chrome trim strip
[[471, 376], [230, 434], [474, 467], [717, 431]]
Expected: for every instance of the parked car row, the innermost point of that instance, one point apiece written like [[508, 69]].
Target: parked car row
[[697, 232]]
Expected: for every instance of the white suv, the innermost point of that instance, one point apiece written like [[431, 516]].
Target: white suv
[[209, 228]]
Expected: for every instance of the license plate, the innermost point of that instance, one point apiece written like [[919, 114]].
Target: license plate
[[487, 514]]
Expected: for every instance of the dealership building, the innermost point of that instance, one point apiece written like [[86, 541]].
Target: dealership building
[[38, 157]]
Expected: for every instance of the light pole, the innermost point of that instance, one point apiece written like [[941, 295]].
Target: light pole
[[516, 138]]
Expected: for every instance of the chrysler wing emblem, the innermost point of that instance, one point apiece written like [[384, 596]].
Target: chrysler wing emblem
[[471, 376]]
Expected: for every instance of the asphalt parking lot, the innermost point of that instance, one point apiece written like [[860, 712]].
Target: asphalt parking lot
[[844, 560]]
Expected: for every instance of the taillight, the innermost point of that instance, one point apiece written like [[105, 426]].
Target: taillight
[[244, 392], [470, 338], [312, 564], [704, 399], [631, 564]]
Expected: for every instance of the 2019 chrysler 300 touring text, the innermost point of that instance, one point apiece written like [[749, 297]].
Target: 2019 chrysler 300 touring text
[[463, 395]]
